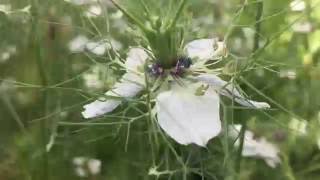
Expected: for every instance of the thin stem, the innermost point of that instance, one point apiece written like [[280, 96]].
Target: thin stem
[[44, 82], [177, 15], [239, 153], [130, 16], [148, 99], [255, 48], [258, 26], [14, 113]]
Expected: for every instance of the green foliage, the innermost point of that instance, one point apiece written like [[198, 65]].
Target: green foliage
[[47, 88]]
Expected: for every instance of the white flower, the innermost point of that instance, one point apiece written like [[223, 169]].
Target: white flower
[[298, 127], [81, 2], [7, 53], [26, 9], [303, 27], [5, 8], [85, 166], [94, 166], [289, 74], [256, 147], [93, 11], [78, 44], [189, 110], [7, 85], [99, 48], [297, 5]]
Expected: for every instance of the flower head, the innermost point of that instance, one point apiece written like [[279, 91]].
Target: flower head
[[187, 110], [84, 166]]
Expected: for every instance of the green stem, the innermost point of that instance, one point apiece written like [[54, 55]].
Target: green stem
[[177, 15], [255, 48], [131, 17], [239, 153], [258, 26], [44, 82], [150, 119], [14, 113]]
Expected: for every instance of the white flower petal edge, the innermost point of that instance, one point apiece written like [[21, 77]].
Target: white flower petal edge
[[78, 44], [227, 89], [136, 58], [188, 118], [205, 49], [256, 147], [129, 86]]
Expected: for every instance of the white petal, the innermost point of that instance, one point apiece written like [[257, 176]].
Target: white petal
[[80, 172], [298, 127], [98, 48], [80, 2], [206, 49], [136, 58], [94, 166], [129, 86], [78, 43], [256, 147], [93, 11], [188, 118], [79, 161], [229, 90]]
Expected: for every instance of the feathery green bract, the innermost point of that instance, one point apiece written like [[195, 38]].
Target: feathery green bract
[[160, 26]]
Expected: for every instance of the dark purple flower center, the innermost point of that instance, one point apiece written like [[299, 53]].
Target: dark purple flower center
[[178, 69]]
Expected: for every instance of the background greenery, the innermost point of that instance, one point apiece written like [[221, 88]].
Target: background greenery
[[42, 90]]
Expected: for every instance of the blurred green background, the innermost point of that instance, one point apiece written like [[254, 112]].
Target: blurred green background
[[47, 73]]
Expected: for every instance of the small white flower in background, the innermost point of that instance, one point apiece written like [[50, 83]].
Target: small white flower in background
[[297, 5], [288, 74], [303, 27], [82, 43], [79, 161], [7, 85], [99, 48], [188, 111], [93, 11], [4, 57], [81, 2], [298, 126], [85, 166], [256, 147], [78, 44], [5, 8], [7, 53], [94, 166], [26, 9]]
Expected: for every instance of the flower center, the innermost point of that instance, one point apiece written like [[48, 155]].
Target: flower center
[[178, 69]]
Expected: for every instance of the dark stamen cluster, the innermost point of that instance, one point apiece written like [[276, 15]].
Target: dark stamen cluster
[[156, 69], [182, 64], [179, 68]]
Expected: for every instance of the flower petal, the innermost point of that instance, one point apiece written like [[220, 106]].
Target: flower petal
[[188, 118], [227, 89], [130, 85], [78, 44], [206, 49], [256, 147], [103, 106], [97, 48], [136, 58]]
